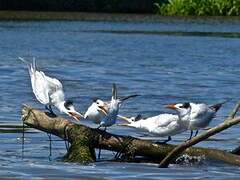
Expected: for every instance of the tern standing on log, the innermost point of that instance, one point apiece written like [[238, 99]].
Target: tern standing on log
[[164, 124], [202, 115], [105, 113], [49, 91]]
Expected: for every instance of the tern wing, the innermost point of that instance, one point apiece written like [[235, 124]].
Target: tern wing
[[39, 87], [38, 82], [163, 120], [55, 90], [167, 125], [199, 111], [53, 84]]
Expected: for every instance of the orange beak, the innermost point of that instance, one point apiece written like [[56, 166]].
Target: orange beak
[[102, 109], [75, 115], [171, 106]]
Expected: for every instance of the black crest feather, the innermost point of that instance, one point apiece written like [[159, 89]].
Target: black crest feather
[[68, 103], [186, 105], [94, 99], [138, 117]]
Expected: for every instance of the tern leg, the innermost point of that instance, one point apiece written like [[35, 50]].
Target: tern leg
[[99, 152], [66, 139], [169, 139], [196, 133], [190, 135], [23, 139], [164, 142], [49, 108], [66, 144], [50, 146]]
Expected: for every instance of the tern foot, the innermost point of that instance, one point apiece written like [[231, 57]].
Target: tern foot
[[164, 142], [50, 112], [196, 133]]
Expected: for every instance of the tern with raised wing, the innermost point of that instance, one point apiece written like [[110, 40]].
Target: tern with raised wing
[[49, 91], [103, 112]]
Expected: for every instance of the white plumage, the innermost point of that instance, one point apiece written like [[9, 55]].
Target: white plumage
[[49, 91], [164, 124], [161, 125], [105, 113], [199, 116]]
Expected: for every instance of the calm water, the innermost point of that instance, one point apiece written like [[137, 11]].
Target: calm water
[[164, 62]]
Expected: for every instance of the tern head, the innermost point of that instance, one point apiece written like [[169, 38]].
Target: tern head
[[101, 106], [181, 108], [70, 110], [97, 106]]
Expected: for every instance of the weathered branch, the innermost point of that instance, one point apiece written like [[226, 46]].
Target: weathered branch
[[234, 111], [180, 148], [84, 139]]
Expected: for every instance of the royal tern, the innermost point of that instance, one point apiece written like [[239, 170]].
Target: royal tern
[[105, 113], [97, 111], [164, 124], [49, 91], [200, 115]]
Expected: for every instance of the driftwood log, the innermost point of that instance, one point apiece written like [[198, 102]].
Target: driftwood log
[[84, 140]]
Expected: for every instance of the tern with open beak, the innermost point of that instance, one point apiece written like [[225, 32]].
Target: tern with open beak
[[106, 113], [97, 111]]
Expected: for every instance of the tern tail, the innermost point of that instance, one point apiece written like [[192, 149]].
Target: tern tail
[[217, 106], [31, 66], [128, 97]]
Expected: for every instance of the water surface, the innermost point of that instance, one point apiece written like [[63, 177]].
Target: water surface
[[164, 62]]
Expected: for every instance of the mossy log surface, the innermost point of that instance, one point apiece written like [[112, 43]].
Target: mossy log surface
[[84, 140]]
